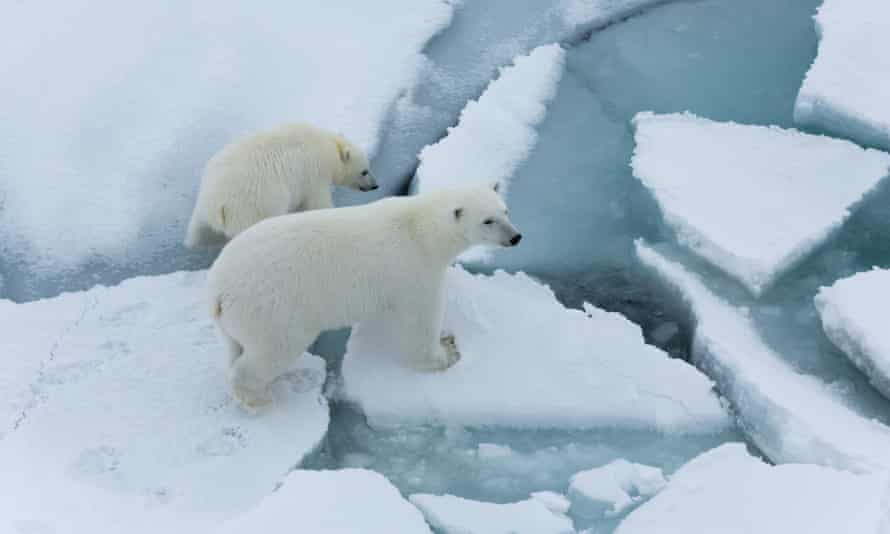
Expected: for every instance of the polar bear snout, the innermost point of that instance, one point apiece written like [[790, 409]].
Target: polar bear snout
[[366, 181], [515, 240]]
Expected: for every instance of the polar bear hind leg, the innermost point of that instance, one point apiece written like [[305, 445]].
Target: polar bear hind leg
[[262, 361]]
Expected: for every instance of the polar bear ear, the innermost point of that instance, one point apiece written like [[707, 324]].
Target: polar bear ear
[[458, 213], [343, 151]]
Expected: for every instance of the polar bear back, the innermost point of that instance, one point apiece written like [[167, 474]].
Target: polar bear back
[[340, 265], [289, 162]]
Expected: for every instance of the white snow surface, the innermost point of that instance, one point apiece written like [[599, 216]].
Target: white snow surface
[[117, 417], [455, 515], [118, 107], [611, 489], [528, 362], [792, 417], [854, 317], [347, 501], [845, 91], [497, 132], [752, 200], [728, 491]]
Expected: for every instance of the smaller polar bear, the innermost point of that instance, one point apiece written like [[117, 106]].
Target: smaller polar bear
[[287, 169], [280, 283]]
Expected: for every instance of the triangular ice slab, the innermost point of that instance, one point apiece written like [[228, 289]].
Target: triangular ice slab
[[752, 200]]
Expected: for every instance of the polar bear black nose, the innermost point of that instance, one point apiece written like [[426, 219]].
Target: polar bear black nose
[[515, 240]]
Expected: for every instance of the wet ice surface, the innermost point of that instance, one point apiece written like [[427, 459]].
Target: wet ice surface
[[729, 491], [115, 411], [498, 465], [845, 91]]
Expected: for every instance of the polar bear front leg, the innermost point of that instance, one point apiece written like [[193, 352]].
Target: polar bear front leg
[[423, 346]]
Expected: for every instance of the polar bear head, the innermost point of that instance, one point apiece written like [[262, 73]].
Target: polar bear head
[[481, 217], [355, 170]]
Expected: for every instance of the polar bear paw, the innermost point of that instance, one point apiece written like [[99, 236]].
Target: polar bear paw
[[452, 355], [443, 358], [249, 399]]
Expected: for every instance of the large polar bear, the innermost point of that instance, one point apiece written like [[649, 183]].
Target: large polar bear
[[280, 283], [287, 169]]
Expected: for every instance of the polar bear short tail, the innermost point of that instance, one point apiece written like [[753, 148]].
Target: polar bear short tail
[[200, 234]]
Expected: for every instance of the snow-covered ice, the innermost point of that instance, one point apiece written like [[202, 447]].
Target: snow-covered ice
[[122, 420], [790, 416], [611, 489], [118, 107], [496, 132], [752, 200], [845, 91], [347, 501], [854, 317], [529, 362], [727, 490], [454, 515]]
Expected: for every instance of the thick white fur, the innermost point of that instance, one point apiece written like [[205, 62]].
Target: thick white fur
[[287, 169], [280, 283]]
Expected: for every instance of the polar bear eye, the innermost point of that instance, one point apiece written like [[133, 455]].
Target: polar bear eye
[[488, 221], [365, 172]]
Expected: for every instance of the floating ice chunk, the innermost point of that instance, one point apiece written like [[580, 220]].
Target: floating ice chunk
[[554, 502], [347, 501], [753, 200], [129, 426], [611, 489], [149, 96], [854, 317], [791, 417], [845, 91], [497, 132], [493, 450], [727, 490], [529, 362], [454, 515]]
